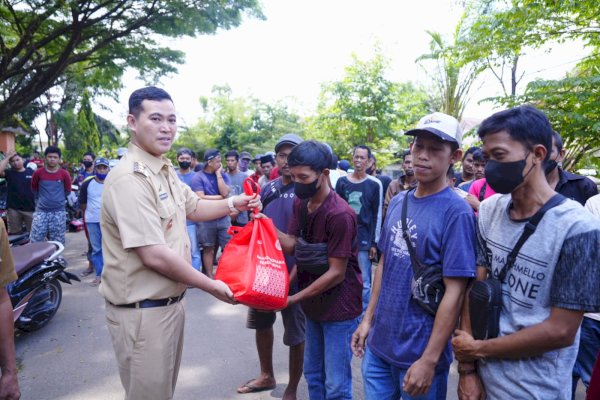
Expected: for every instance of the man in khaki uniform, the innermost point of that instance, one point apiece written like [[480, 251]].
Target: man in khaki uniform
[[9, 385], [147, 262]]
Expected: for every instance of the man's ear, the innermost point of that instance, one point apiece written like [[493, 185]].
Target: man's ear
[[539, 152], [131, 122], [456, 156], [561, 155]]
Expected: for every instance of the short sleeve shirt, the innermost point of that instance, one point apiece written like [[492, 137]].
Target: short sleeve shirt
[[19, 194], [477, 186], [556, 267], [144, 203], [207, 183], [7, 266], [334, 223], [442, 229], [279, 208]]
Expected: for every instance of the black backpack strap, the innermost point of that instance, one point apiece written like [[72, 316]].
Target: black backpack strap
[[406, 235], [482, 191], [530, 227]]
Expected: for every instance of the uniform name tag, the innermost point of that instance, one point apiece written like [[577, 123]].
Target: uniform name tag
[[163, 196]]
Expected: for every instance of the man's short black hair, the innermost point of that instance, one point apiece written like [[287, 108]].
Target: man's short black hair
[[185, 150], [310, 153], [364, 147], [470, 150], [53, 150], [406, 153], [557, 141], [450, 172], [148, 93], [525, 124], [233, 153], [478, 156], [89, 153]]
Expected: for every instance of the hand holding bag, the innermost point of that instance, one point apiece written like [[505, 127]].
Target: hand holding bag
[[485, 297], [253, 265]]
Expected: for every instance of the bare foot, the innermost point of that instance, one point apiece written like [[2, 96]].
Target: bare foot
[[257, 385], [289, 394]]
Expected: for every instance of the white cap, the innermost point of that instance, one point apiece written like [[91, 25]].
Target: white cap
[[442, 125], [121, 151], [32, 166]]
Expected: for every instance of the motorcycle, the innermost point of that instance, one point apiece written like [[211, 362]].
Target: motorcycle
[[18, 239], [37, 293]]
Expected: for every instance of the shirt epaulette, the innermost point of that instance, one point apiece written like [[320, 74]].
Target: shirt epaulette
[[140, 168]]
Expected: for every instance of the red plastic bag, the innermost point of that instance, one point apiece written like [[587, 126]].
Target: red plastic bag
[[253, 266]]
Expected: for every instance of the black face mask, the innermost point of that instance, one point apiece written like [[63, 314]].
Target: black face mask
[[88, 164], [306, 190], [550, 165], [504, 177], [184, 164]]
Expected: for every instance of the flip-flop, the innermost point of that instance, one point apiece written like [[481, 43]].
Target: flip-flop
[[86, 273], [248, 388]]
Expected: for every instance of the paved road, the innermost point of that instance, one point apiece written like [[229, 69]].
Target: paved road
[[72, 358]]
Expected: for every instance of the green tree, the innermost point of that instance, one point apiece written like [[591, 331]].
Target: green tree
[[241, 123], [501, 31], [452, 77], [367, 108], [40, 40]]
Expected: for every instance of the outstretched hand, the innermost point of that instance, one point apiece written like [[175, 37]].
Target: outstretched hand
[[222, 292]]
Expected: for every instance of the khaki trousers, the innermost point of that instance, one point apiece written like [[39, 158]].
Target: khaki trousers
[[148, 344], [17, 218]]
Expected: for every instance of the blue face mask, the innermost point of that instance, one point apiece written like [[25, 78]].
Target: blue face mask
[[101, 176]]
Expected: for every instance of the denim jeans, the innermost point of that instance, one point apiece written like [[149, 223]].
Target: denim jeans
[[327, 358], [383, 381], [95, 238], [589, 346], [364, 262], [196, 259]]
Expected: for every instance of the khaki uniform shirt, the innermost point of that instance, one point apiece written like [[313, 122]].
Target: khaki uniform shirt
[[144, 203], [7, 266]]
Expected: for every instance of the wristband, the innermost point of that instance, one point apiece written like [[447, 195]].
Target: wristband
[[230, 205]]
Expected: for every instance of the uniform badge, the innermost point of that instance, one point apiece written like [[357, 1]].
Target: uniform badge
[[140, 168]]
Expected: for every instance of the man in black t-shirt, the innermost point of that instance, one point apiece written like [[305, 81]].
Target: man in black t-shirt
[[20, 201]]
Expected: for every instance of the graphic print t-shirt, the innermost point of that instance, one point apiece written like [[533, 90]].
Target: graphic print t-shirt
[[556, 267], [442, 230], [366, 199]]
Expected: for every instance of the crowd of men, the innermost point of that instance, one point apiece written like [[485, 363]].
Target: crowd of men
[[353, 239]]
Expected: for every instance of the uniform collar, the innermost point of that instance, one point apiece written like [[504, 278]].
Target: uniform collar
[[155, 164]]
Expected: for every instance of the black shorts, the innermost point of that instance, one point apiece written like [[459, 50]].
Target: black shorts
[[294, 323]]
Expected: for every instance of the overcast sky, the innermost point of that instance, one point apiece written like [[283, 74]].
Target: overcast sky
[[304, 43]]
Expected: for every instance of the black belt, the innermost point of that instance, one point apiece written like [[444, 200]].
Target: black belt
[[148, 303]]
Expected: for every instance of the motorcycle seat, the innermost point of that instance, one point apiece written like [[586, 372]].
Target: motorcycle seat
[[31, 254]]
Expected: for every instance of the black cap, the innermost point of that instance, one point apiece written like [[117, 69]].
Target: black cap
[[210, 154], [267, 158], [288, 138]]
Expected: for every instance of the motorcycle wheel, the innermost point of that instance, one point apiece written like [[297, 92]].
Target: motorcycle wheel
[[41, 308]]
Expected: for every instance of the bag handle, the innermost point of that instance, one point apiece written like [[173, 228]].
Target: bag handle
[[406, 235], [530, 227], [251, 188], [482, 191]]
